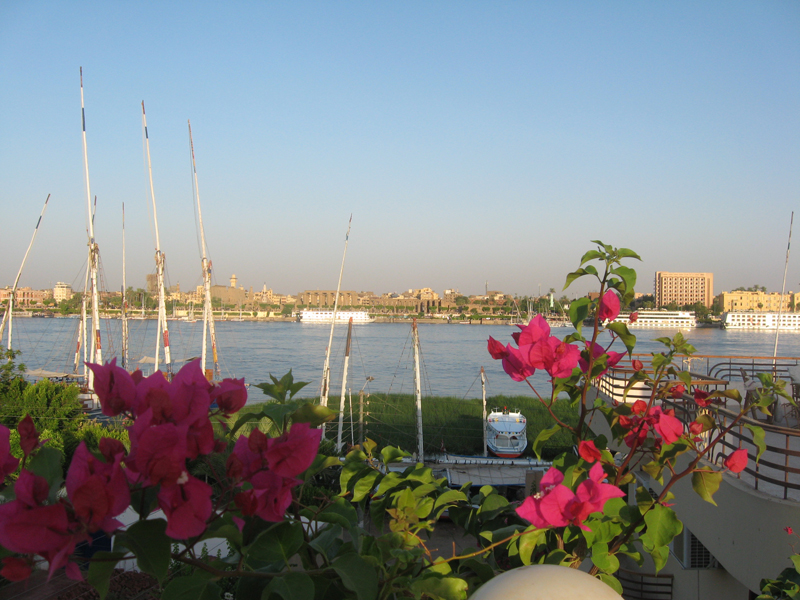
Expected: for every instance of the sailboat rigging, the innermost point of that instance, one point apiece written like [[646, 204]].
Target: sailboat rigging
[[162, 330], [208, 313], [8, 317], [124, 305], [96, 355], [326, 369]]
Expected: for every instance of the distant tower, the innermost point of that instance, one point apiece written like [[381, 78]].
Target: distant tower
[[487, 288], [233, 281]]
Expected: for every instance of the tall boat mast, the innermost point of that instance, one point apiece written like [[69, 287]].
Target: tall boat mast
[[160, 260], [326, 369], [344, 387], [783, 289], [8, 317], [417, 388], [124, 306], [208, 313], [94, 255]]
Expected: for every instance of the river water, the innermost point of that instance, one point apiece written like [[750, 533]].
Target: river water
[[451, 355]]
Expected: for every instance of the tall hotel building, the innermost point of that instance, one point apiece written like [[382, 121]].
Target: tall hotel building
[[684, 288]]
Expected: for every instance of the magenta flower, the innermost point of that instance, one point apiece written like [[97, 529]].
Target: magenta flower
[[666, 425], [293, 452], [114, 387], [28, 436], [187, 506], [598, 351], [537, 330], [8, 463], [15, 569], [588, 451], [496, 349], [608, 309], [98, 491], [701, 398], [230, 395], [516, 364], [737, 461], [594, 493], [554, 356]]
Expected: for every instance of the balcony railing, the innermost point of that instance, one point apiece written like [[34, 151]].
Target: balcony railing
[[777, 472]]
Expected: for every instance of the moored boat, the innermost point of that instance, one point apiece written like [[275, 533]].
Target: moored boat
[[788, 321], [506, 434], [342, 316], [660, 319]]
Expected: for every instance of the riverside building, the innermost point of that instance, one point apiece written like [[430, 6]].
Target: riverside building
[[684, 288]]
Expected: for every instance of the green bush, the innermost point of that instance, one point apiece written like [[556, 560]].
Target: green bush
[[53, 406]]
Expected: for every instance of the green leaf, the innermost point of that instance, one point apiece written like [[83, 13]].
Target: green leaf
[[796, 561], [607, 563], [591, 255], [573, 276], [364, 485], [758, 439], [277, 412], [192, 587], [277, 544], [578, 311], [292, 586], [440, 588], [101, 569], [706, 483], [626, 253], [341, 512], [556, 557], [621, 329], [707, 422], [662, 526], [321, 462], [223, 528], [611, 582], [47, 463], [544, 435], [243, 420], [313, 414], [149, 542], [528, 542], [357, 575], [390, 454], [660, 556], [450, 496]]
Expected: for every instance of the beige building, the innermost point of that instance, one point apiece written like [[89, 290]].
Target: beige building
[[757, 301], [684, 288], [62, 291], [316, 298]]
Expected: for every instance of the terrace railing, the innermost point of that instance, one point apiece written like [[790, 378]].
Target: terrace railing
[[777, 472]]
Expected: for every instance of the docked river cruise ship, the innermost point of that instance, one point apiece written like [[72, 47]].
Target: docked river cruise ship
[[789, 321], [660, 319], [342, 316]]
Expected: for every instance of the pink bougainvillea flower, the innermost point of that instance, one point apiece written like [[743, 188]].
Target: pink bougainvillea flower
[[788, 530], [597, 351], [496, 349], [593, 493], [695, 428], [554, 356], [608, 309], [737, 461], [588, 451], [293, 452], [230, 395], [187, 506], [114, 387], [517, 365], [537, 330], [161, 454], [701, 398], [639, 407], [677, 391], [637, 365], [28, 436], [666, 425], [8, 463], [98, 491], [15, 569], [273, 494], [634, 316]]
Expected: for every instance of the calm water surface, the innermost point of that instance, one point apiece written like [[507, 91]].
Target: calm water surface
[[452, 355]]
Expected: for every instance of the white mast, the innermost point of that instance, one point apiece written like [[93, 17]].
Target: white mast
[[344, 386], [8, 317], [96, 355], [208, 313], [783, 289], [483, 395], [124, 307], [417, 388], [326, 371], [160, 259]]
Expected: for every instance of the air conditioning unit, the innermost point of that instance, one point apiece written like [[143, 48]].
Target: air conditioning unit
[[690, 552]]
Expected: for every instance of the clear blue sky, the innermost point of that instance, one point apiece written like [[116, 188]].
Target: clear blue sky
[[472, 141]]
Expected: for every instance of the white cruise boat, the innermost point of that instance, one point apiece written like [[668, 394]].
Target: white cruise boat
[[506, 434], [788, 321], [660, 319], [342, 316]]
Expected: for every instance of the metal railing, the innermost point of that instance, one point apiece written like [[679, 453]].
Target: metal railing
[[777, 472]]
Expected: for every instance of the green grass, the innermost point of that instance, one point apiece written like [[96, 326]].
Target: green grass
[[454, 423]]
